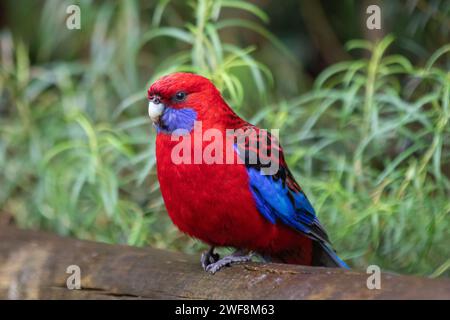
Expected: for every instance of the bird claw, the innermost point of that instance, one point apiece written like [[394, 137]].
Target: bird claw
[[236, 257], [209, 257]]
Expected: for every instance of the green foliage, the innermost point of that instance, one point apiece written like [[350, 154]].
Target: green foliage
[[208, 54], [369, 143], [373, 149]]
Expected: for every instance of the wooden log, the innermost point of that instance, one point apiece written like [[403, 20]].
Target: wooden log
[[33, 266]]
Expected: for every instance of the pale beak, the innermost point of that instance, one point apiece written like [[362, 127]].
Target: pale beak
[[155, 110]]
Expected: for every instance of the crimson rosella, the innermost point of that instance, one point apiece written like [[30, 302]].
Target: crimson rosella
[[229, 203]]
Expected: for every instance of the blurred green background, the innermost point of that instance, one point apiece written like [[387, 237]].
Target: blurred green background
[[364, 115]]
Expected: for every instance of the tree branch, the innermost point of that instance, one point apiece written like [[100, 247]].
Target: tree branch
[[33, 266]]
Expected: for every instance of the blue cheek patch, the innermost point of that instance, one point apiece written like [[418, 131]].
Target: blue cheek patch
[[173, 119]]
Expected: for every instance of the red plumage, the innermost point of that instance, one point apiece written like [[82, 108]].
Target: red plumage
[[213, 202]]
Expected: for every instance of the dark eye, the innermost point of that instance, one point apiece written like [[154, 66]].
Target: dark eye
[[180, 96]]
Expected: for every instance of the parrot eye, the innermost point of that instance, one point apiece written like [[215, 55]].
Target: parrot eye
[[180, 96]]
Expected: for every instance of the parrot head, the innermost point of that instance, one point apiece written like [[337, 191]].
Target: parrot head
[[179, 99]]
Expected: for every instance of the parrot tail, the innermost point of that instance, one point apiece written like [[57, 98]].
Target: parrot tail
[[324, 255]]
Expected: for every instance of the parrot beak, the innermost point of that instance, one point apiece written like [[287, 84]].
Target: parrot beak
[[155, 110]]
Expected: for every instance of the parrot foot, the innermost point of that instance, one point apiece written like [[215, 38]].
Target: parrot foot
[[209, 257], [236, 257]]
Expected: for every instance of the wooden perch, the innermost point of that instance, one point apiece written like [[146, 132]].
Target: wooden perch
[[33, 266]]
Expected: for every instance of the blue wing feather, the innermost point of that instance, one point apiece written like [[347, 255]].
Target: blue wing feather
[[275, 201], [278, 197]]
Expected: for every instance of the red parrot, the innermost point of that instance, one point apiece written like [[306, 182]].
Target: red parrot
[[230, 204]]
